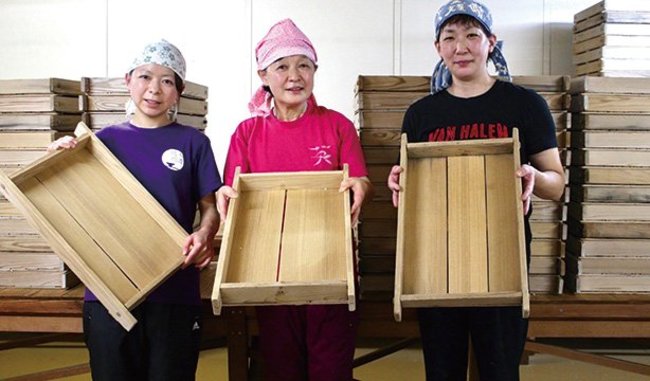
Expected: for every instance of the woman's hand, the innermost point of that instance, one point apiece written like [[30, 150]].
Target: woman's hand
[[361, 188], [393, 183], [224, 194], [527, 175], [66, 142], [198, 249]]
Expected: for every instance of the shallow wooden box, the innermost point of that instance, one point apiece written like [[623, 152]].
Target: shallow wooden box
[[119, 241], [460, 232], [287, 240]]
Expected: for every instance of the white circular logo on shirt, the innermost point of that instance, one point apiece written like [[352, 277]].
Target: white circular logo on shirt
[[173, 159]]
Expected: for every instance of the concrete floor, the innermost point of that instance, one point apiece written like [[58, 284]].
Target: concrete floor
[[402, 365]]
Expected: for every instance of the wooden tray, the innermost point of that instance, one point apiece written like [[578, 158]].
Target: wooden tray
[[101, 221], [287, 240], [460, 229]]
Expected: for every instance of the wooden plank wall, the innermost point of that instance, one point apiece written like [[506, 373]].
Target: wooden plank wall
[[32, 113]]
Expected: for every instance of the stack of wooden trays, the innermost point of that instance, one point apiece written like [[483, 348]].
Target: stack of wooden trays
[[105, 99], [608, 249], [548, 221], [612, 38], [381, 103], [32, 113]]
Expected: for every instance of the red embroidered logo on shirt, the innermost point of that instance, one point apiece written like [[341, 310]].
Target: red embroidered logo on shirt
[[321, 154]]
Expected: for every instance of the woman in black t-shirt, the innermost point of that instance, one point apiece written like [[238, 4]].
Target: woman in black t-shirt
[[467, 103]]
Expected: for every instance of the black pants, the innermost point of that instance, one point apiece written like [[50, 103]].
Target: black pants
[[498, 336], [163, 345]]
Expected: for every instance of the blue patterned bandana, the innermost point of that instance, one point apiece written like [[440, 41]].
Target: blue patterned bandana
[[441, 78]]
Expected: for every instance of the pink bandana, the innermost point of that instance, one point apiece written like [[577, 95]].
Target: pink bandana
[[282, 40]]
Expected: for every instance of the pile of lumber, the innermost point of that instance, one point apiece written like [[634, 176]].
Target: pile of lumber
[[33, 112], [612, 39], [608, 248], [381, 103], [104, 103]]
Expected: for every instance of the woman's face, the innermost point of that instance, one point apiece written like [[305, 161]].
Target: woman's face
[[291, 80], [153, 90], [464, 49]]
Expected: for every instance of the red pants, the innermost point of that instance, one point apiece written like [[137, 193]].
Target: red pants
[[307, 343]]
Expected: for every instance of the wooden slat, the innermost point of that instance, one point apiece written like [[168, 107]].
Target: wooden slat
[[545, 284], [611, 52], [611, 157], [594, 43], [23, 243], [468, 261], [502, 229], [393, 83], [99, 120], [38, 121], [10, 227], [612, 283], [611, 193], [386, 100], [547, 247], [313, 240], [379, 119], [610, 175], [21, 140], [548, 211], [39, 103], [594, 211], [40, 86], [19, 157], [607, 229], [460, 148], [612, 265], [543, 265], [612, 29], [26, 261], [38, 279], [611, 139], [263, 211], [116, 85], [611, 102], [607, 66], [425, 238], [380, 137], [608, 247], [611, 121], [544, 229], [118, 103]]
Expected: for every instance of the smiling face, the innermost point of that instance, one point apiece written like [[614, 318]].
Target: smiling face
[[464, 47], [291, 80], [153, 90]]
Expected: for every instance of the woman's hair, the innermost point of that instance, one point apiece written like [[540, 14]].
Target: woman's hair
[[178, 81], [465, 20]]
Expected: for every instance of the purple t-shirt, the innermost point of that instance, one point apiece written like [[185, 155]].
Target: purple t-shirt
[[175, 163]]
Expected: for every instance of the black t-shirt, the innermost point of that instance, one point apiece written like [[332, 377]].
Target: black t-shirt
[[443, 117]]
